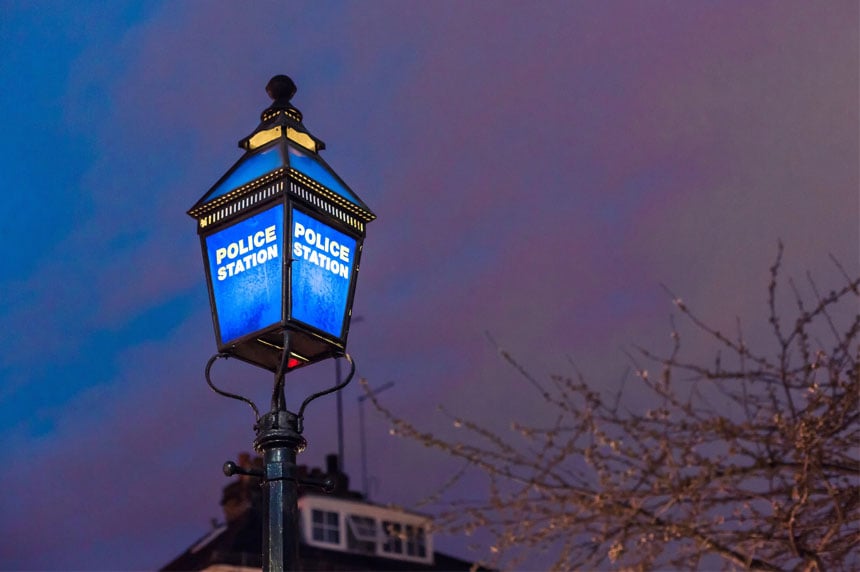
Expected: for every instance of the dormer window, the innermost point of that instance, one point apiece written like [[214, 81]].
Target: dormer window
[[340, 531], [362, 528]]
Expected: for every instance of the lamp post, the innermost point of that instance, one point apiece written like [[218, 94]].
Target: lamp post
[[281, 235]]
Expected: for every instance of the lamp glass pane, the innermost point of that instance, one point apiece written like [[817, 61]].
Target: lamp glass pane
[[246, 270], [323, 260], [248, 169], [310, 166]]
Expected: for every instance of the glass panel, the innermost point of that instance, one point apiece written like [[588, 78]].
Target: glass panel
[[410, 541], [393, 542], [325, 527], [247, 169], [333, 536], [422, 543], [309, 165], [404, 539], [363, 527], [246, 269], [361, 535], [321, 273], [415, 545]]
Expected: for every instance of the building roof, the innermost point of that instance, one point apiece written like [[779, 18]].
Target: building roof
[[235, 545]]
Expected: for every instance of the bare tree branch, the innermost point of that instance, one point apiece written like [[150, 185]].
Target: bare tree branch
[[751, 460]]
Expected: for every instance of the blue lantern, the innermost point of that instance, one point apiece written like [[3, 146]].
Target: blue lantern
[[282, 236]]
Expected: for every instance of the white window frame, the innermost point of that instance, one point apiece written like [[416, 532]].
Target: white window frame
[[406, 522]]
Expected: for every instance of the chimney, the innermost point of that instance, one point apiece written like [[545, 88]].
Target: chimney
[[332, 465]]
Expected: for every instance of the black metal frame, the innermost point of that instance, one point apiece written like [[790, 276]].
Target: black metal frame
[[279, 440], [329, 345]]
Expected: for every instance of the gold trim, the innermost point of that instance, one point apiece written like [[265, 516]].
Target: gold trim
[[291, 113], [302, 139], [263, 137], [269, 135]]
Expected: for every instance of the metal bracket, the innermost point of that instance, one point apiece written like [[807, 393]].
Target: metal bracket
[[327, 485]]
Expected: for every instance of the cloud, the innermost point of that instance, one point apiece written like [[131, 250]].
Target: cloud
[[538, 172]]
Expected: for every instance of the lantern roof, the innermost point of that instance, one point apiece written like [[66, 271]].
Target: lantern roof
[[282, 146]]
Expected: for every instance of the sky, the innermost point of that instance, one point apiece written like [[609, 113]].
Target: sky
[[540, 171]]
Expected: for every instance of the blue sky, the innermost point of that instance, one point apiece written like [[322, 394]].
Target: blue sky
[[538, 170]]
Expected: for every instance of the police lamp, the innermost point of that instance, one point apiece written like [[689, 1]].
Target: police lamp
[[281, 235]]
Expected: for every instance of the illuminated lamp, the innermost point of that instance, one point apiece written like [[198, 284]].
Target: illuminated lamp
[[282, 236]]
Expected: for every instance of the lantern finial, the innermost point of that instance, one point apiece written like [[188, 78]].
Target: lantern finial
[[281, 88]]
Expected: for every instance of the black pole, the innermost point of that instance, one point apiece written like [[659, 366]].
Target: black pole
[[279, 441]]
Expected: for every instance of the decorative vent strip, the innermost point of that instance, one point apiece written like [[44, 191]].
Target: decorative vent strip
[[315, 200], [250, 201], [237, 192], [333, 197], [243, 204]]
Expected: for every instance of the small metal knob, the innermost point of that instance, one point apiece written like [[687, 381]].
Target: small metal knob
[[230, 468]]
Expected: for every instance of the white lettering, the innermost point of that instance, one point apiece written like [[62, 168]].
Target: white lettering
[[337, 265], [253, 251], [320, 242], [310, 236]]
